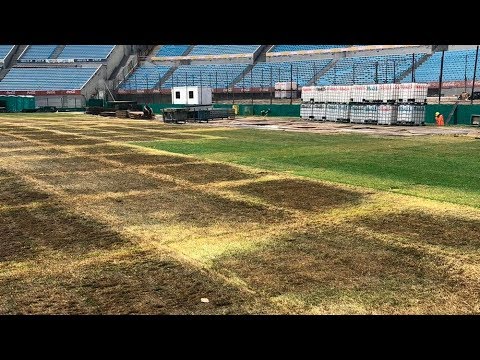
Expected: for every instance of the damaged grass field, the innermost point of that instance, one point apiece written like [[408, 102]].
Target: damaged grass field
[[130, 217]]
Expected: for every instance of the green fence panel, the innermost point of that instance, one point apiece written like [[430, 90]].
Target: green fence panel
[[462, 115]]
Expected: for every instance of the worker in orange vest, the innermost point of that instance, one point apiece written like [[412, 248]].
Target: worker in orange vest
[[439, 119]]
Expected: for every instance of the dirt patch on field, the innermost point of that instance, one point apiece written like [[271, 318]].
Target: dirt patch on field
[[300, 194], [173, 205], [148, 159], [16, 192], [204, 173], [63, 164], [29, 231], [436, 230], [100, 182], [331, 267], [139, 283]]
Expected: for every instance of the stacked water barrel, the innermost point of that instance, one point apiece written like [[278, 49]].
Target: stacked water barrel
[[383, 104]]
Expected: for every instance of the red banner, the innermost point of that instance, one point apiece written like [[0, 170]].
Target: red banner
[[41, 92]]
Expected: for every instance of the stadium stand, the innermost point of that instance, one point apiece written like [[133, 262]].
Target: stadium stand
[[367, 70], [37, 53], [214, 75], [4, 51], [264, 74], [86, 52], [145, 76], [223, 49], [453, 67], [279, 48], [68, 78], [172, 50]]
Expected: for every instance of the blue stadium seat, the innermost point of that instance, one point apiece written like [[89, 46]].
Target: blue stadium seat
[[267, 74], [455, 63], [144, 77], [279, 48], [38, 52], [172, 50], [367, 70], [213, 75], [47, 78], [86, 52], [4, 50], [223, 49]]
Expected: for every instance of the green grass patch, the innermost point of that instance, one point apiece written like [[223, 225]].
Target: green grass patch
[[438, 167]]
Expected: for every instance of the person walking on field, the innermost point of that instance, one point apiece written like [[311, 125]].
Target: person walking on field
[[439, 119]]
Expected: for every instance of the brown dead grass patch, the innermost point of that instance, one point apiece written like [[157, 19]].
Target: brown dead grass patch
[[328, 268], [16, 144], [170, 205], [16, 192], [106, 149], [423, 227], [204, 173], [141, 282], [28, 231], [100, 182], [300, 194], [4, 138], [73, 141], [147, 159], [33, 152], [63, 164]]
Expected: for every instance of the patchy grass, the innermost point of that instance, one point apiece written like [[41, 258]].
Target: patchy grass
[[300, 194], [62, 164], [386, 163], [329, 268], [204, 173], [97, 228], [100, 182], [140, 282], [173, 205], [433, 229], [15, 192], [28, 231], [147, 159]]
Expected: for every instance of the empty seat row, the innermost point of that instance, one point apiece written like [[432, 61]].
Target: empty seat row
[[47, 78]]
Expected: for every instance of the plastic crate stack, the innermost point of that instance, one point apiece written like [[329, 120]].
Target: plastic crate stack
[[383, 104]]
